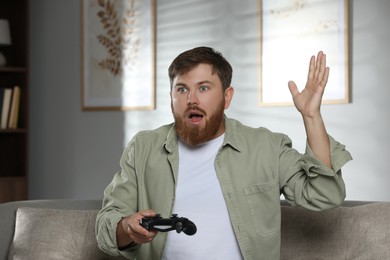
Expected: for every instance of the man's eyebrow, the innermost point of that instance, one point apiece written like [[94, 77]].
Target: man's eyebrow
[[182, 84], [205, 82], [179, 84]]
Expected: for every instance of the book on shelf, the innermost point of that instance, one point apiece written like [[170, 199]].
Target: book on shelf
[[5, 107], [14, 109], [9, 103], [2, 90]]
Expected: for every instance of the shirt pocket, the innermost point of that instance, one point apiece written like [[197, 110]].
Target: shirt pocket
[[264, 206]]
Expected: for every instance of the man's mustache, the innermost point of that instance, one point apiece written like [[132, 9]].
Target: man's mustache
[[195, 108]]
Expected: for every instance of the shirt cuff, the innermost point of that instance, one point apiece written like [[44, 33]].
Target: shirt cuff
[[338, 155]]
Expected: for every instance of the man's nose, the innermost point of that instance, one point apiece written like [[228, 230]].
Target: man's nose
[[192, 98]]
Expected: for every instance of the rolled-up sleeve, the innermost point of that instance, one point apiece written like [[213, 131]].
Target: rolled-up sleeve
[[309, 183]]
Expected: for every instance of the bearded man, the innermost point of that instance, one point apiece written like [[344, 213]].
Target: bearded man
[[224, 176]]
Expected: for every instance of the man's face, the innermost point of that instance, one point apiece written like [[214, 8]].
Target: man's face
[[198, 103]]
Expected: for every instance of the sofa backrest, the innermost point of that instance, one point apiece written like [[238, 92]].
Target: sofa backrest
[[357, 230], [8, 213]]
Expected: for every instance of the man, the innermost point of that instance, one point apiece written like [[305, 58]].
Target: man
[[225, 177]]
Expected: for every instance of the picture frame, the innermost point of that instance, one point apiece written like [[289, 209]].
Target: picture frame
[[290, 33], [118, 54]]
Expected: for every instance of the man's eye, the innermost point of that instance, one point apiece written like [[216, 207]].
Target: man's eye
[[182, 90], [203, 88]]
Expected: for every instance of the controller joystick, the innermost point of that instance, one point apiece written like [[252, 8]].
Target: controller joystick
[[168, 224]]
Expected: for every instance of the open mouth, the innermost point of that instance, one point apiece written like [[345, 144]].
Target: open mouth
[[195, 117]]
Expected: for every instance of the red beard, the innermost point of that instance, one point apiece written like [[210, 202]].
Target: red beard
[[194, 134]]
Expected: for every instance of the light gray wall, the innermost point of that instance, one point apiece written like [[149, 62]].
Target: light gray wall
[[74, 154]]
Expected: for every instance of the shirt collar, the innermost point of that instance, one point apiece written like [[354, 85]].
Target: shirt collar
[[231, 136], [171, 141]]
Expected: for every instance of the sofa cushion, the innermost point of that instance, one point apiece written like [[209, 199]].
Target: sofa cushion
[[360, 232], [55, 234]]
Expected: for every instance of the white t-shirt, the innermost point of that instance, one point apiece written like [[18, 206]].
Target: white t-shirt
[[199, 198]]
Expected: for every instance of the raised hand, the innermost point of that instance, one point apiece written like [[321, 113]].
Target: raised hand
[[308, 102]]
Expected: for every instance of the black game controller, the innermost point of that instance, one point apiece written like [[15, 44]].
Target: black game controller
[[167, 224]]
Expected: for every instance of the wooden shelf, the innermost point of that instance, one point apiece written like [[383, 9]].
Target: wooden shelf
[[13, 131], [13, 69], [14, 142], [13, 188]]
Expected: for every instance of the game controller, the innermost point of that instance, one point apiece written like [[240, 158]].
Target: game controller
[[168, 224]]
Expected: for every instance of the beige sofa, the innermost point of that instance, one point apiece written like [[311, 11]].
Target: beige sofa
[[64, 229]]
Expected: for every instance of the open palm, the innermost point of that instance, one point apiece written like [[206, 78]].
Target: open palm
[[308, 101]]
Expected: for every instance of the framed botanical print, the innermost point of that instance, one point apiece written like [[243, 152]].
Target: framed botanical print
[[118, 43]]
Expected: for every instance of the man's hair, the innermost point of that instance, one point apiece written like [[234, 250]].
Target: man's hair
[[201, 55]]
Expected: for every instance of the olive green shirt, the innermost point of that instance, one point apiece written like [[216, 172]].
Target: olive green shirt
[[254, 167]]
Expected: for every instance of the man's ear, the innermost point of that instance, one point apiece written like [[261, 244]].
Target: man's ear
[[229, 92]]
